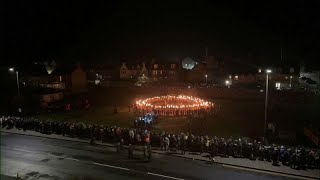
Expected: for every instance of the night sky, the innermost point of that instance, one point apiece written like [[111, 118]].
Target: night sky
[[113, 30]]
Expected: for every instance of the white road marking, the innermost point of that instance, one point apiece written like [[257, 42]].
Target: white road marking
[[267, 172], [160, 175], [22, 150], [72, 159], [99, 164], [34, 152], [115, 167], [55, 156]]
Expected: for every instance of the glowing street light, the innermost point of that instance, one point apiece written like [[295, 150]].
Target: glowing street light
[[268, 71], [17, 76], [228, 83], [206, 79]]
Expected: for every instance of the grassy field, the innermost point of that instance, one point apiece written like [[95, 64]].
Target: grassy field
[[100, 115], [229, 120], [233, 117]]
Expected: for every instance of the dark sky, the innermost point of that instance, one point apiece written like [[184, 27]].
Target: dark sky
[[92, 31]]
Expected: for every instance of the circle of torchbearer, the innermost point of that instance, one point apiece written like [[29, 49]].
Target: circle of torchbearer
[[171, 105]]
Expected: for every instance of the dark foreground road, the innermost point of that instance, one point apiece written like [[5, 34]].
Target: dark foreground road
[[43, 158]]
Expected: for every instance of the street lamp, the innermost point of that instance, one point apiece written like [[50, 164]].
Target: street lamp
[[290, 81], [268, 71], [206, 79], [227, 83], [17, 75]]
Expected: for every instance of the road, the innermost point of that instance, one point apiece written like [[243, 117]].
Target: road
[[43, 158]]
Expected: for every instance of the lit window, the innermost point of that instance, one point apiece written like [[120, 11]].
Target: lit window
[[155, 66], [236, 77]]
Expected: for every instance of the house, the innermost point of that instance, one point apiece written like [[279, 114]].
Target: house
[[69, 79], [243, 78], [196, 74], [154, 70], [48, 95], [279, 80], [133, 71], [77, 80], [103, 71], [206, 70], [164, 71], [310, 80]]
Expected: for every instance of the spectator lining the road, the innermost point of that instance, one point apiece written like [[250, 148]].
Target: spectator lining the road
[[295, 157]]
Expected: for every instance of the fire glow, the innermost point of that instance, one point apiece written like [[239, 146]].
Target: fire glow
[[180, 102]]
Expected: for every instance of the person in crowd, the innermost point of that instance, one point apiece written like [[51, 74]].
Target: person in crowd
[[275, 156], [167, 142], [149, 152], [130, 152], [118, 147], [145, 152], [92, 141], [121, 144], [295, 157]]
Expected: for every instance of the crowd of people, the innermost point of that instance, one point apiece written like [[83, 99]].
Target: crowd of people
[[145, 121], [295, 157]]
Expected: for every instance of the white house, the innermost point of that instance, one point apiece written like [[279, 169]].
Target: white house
[[133, 71]]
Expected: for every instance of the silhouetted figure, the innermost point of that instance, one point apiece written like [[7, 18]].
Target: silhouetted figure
[[118, 147], [130, 152], [145, 152], [149, 152], [92, 141], [121, 144]]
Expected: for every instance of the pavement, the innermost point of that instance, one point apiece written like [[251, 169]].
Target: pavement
[[35, 155]]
